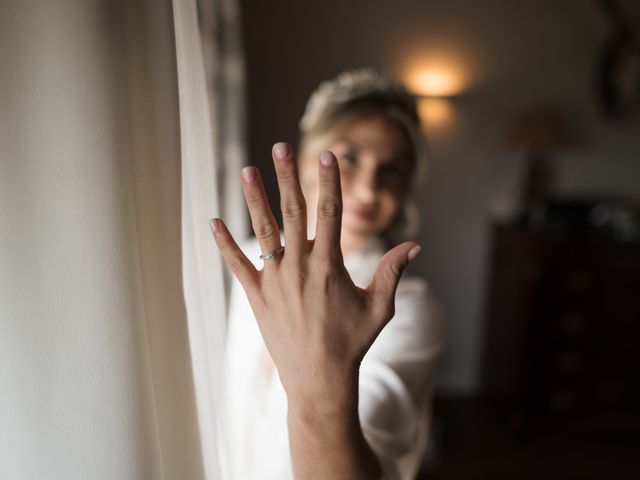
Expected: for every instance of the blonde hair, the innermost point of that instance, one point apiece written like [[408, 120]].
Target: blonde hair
[[352, 96]]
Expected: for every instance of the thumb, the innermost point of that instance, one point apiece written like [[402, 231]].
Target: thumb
[[387, 275]]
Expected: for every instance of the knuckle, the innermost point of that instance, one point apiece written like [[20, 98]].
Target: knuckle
[[265, 231], [235, 265], [287, 173], [395, 270], [293, 209], [329, 209], [254, 197], [224, 243]]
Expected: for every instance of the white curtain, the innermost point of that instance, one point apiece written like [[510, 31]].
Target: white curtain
[[111, 312], [202, 85]]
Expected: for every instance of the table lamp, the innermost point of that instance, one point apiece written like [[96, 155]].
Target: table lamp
[[538, 133]]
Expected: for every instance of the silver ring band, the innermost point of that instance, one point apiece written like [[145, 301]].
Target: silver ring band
[[271, 254]]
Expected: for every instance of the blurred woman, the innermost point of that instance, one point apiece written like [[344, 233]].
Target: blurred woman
[[334, 379]]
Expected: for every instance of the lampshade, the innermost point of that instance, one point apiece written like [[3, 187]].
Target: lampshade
[[537, 131]]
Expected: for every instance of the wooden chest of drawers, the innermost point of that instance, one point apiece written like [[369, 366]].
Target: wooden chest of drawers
[[563, 327]]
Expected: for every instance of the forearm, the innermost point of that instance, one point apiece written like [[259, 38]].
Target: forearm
[[326, 438]]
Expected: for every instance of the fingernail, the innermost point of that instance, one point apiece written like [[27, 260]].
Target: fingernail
[[327, 159], [249, 174], [215, 226], [281, 150], [414, 252]]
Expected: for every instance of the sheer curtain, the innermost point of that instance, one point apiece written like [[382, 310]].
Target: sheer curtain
[[111, 304], [209, 79]]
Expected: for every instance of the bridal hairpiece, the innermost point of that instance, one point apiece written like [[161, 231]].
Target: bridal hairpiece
[[352, 85]]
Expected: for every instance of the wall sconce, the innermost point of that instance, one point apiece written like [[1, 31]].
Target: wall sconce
[[435, 86]]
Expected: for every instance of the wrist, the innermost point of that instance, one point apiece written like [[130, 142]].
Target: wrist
[[324, 429], [333, 395], [329, 420]]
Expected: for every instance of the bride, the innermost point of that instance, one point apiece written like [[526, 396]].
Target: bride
[[331, 353]]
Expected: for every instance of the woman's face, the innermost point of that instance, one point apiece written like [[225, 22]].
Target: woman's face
[[375, 162]]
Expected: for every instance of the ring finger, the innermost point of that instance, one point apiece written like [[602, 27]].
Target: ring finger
[[262, 220]]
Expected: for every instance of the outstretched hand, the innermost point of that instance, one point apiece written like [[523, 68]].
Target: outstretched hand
[[316, 323]]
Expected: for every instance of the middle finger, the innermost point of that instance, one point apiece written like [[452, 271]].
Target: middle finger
[[292, 203]]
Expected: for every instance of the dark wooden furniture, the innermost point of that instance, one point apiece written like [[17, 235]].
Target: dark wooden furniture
[[562, 345]]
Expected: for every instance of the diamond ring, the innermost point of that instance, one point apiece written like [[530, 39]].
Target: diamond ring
[[271, 254]]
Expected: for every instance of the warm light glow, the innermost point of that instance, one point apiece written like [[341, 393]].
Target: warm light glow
[[434, 111], [431, 83], [437, 79], [434, 80]]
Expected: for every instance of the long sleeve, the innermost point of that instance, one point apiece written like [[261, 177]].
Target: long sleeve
[[396, 381]]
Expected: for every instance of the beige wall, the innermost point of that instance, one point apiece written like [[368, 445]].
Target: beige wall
[[515, 54]]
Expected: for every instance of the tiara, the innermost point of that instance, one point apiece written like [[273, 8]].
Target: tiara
[[351, 85]]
